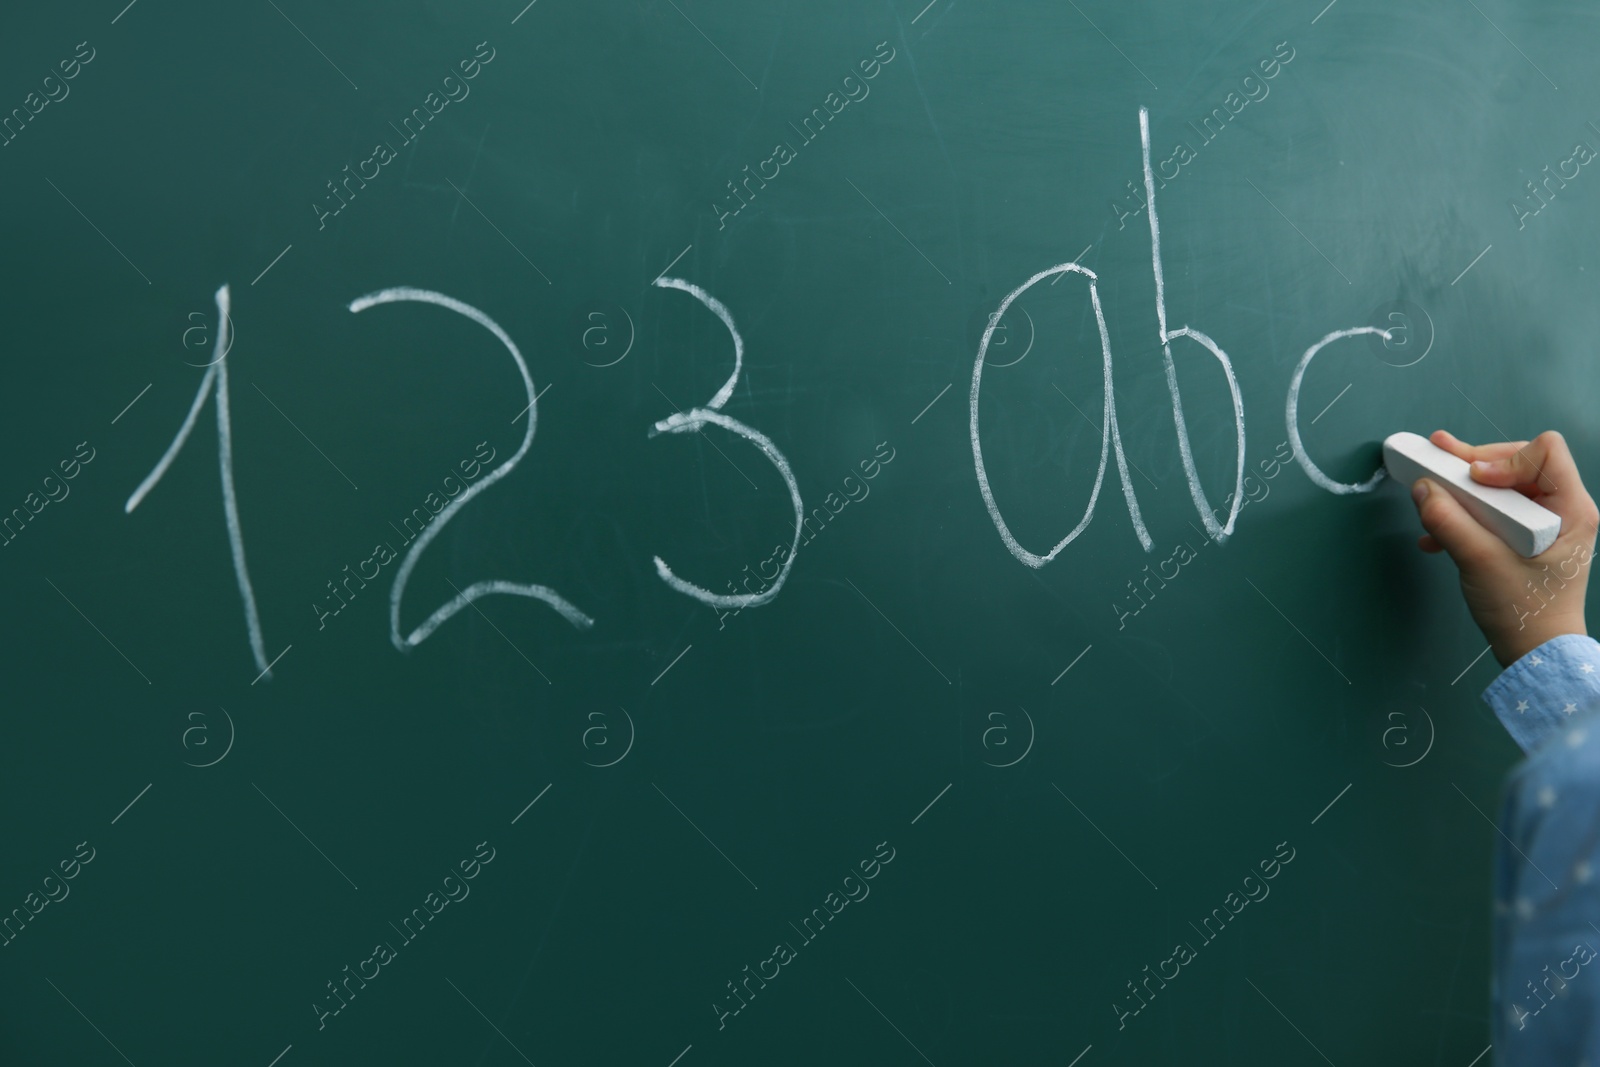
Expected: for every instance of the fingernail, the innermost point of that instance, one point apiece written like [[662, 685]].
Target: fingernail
[[1419, 492], [1485, 466]]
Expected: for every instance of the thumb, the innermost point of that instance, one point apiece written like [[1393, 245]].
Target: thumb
[[1462, 536]]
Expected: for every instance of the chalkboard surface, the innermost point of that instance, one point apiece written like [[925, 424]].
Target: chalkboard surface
[[688, 532]]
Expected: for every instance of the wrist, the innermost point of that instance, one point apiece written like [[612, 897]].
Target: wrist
[[1512, 646]]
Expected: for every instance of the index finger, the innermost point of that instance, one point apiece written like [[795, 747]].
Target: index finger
[[1459, 448], [1546, 462]]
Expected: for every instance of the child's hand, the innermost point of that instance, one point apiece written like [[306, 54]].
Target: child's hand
[[1518, 603]]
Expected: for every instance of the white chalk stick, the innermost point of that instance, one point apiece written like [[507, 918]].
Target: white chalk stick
[[1527, 527]]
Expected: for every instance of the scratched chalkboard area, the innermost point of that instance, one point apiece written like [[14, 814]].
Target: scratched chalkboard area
[[697, 532]]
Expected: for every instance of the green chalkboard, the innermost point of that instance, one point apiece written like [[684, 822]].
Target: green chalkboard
[[657, 532]]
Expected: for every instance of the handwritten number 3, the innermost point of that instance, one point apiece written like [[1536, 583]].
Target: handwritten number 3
[[478, 589], [695, 418]]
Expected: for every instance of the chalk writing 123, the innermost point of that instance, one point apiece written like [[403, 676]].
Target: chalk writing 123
[[215, 383]]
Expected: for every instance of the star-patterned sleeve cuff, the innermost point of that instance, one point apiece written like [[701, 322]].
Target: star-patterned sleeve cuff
[[1535, 696]]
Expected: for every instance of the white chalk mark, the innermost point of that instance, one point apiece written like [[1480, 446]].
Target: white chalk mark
[[274, 263], [490, 1021], [545, 597], [1080, 1056], [132, 402], [708, 440], [1290, 1022], [1331, 803], [279, 1056], [671, 665], [302, 833], [899, 231], [719, 309], [313, 44], [536, 396], [901, 632], [1332, 402], [1471, 665], [1073, 664], [1324, 11], [1474, 263], [531, 803], [1219, 532], [1486, 1049], [674, 263], [1292, 417], [302, 433], [230, 497], [101, 632], [121, 13], [407, 565], [1513, 44], [273, 664], [173, 449], [932, 402], [90, 1021], [890, 1021], [1076, 259], [1202, 505], [1033, 335], [1113, 44], [476, 590], [1096, 425], [1301, 232], [702, 833], [524, 11], [685, 422], [99, 231], [501, 232], [931, 803], [680, 1056], [692, 421], [131, 803], [924, 11], [1102, 833], [1301, 632], [1109, 434], [713, 44], [215, 383]]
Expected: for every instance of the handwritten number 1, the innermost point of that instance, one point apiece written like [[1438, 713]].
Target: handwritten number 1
[[215, 383]]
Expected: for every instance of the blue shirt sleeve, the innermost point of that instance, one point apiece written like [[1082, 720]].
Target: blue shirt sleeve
[[1546, 977], [1536, 696]]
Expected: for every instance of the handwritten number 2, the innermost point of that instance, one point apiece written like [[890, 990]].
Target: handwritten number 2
[[478, 589]]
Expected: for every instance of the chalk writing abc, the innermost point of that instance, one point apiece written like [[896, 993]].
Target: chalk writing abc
[[1111, 439]]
